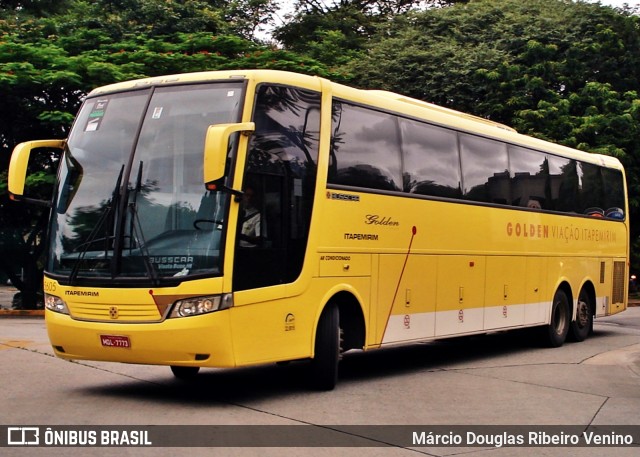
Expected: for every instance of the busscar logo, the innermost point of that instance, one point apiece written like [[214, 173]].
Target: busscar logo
[[23, 436], [343, 197]]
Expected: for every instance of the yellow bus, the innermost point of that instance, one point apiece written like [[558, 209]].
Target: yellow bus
[[231, 218]]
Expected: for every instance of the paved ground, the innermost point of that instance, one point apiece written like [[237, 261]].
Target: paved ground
[[502, 379]]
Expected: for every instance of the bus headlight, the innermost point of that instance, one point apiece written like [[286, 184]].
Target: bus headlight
[[55, 304], [201, 305]]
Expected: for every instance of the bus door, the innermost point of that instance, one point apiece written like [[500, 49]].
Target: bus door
[[273, 228], [261, 247]]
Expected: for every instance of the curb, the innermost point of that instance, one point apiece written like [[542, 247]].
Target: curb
[[21, 313]]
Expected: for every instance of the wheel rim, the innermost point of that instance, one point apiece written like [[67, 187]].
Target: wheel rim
[[582, 314]]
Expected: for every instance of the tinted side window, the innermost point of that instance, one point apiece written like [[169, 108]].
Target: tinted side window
[[485, 170], [564, 184], [431, 160], [613, 184], [365, 148], [529, 178], [602, 192], [592, 193]]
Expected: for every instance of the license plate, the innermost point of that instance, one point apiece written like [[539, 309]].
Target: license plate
[[115, 341]]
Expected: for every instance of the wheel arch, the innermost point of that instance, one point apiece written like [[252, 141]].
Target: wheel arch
[[590, 290], [352, 321], [565, 286]]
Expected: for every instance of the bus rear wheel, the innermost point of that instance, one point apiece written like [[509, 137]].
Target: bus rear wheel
[[184, 373], [324, 365], [555, 334], [581, 327]]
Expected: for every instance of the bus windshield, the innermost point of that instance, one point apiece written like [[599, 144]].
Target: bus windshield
[[131, 202]]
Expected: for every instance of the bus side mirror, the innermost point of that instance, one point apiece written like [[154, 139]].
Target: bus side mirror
[[216, 148], [20, 160]]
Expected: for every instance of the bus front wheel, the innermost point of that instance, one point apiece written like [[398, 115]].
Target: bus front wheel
[[184, 373], [554, 334], [324, 365]]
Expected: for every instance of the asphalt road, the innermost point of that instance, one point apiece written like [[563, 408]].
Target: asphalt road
[[499, 379]]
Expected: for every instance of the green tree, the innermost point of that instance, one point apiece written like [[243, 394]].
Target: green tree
[[336, 32], [33, 7]]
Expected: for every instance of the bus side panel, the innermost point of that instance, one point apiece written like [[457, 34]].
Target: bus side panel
[[460, 295], [406, 298], [536, 295], [504, 299], [575, 271], [270, 330]]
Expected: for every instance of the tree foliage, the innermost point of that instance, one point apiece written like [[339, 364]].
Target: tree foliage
[[335, 32]]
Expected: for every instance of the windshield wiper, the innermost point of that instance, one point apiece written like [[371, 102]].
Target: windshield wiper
[[136, 233], [91, 238], [134, 199]]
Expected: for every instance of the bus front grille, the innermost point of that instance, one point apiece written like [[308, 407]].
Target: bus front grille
[[116, 312]]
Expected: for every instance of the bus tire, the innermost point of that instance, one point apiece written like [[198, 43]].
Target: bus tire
[[184, 373], [324, 365], [581, 327], [555, 334]]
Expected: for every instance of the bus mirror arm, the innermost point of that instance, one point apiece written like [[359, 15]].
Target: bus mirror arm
[[31, 201], [219, 186]]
